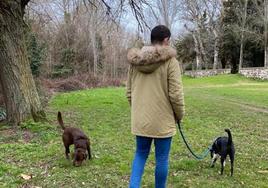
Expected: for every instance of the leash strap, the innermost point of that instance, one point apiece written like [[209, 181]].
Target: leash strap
[[198, 157]]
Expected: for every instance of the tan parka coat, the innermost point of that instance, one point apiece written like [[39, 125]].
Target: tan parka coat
[[154, 90]]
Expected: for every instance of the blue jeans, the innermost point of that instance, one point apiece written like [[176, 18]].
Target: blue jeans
[[162, 148]]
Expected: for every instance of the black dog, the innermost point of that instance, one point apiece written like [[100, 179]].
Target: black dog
[[222, 147], [80, 141]]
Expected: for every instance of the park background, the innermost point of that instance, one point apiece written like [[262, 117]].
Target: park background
[[70, 56]]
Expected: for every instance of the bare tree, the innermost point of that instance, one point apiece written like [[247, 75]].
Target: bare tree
[[198, 57], [213, 11], [194, 15], [244, 19], [164, 12], [259, 19], [92, 28]]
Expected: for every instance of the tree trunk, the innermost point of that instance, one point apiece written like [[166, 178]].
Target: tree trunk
[[202, 49], [244, 18], [165, 13], [241, 51], [197, 51], [93, 36], [95, 52], [216, 50], [266, 33], [21, 97]]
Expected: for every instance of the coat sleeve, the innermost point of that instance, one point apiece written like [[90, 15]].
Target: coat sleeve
[[128, 92], [175, 89]]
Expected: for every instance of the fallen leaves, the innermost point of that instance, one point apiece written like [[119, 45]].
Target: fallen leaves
[[263, 171], [26, 177]]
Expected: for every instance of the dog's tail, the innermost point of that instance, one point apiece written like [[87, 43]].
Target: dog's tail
[[60, 121], [230, 139]]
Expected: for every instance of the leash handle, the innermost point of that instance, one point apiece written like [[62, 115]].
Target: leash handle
[[198, 157]]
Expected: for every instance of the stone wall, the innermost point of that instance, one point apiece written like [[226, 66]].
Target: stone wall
[[205, 73], [255, 72]]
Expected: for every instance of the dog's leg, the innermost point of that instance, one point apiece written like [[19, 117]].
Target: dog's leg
[[88, 151], [67, 151], [232, 164], [232, 168], [222, 164], [213, 160]]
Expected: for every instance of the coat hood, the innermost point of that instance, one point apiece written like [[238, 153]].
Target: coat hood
[[149, 58]]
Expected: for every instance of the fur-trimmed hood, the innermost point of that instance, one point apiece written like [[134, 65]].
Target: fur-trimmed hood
[[149, 58]]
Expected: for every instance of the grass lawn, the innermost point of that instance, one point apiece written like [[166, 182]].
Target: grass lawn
[[212, 104]]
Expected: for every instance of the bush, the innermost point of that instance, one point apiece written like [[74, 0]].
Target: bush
[[35, 53], [61, 71], [79, 82]]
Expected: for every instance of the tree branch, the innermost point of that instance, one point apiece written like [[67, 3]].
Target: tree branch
[[137, 10], [107, 7], [24, 3]]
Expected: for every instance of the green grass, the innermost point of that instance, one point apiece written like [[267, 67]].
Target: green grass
[[212, 104]]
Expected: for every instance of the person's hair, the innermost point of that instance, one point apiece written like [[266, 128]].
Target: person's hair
[[159, 33]]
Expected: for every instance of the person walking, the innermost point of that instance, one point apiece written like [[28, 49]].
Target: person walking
[[155, 94]]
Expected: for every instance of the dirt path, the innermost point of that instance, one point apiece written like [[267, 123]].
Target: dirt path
[[248, 106], [229, 85], [243, 105]]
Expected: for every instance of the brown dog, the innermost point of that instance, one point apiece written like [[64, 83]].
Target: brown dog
[[81, 142]]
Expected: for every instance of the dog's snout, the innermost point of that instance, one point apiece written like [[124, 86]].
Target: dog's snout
[[77, 163]]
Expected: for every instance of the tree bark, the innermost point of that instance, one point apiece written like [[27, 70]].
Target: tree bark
[[266, 33], [21, 97]]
